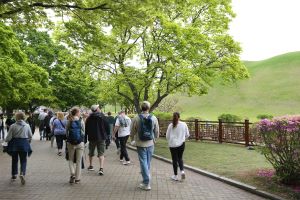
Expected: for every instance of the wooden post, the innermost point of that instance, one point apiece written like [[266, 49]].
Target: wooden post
[[247, 132], [197, 129], [220, 131]]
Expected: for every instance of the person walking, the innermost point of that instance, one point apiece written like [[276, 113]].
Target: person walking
[[18, 139], [59, 131], [96, 129], [144, 131], [111, 122], [9, 121], [31, 122], [122, 128], [47, 125], [52, 136], [115, 136], [176, 135], [2, 133], [41, 118], [75, 138]]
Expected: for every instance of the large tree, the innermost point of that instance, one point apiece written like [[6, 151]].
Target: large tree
[[69, 83], [21, 80], [153, 49]]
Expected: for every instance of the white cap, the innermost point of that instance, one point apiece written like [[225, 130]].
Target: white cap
[[94, 107]]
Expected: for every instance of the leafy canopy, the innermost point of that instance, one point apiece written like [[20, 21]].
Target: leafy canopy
[[151, 49]]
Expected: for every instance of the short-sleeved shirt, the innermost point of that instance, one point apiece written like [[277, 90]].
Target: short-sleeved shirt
[[124, 123]]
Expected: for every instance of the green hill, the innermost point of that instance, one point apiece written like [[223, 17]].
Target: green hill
[[273, 88]]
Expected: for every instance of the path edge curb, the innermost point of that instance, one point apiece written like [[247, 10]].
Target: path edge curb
[[231, 182]]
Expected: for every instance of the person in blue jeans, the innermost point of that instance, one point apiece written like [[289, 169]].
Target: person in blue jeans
[[18, 139], [145, 145]]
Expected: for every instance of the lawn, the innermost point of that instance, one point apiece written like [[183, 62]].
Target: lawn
[[271, 89], [229, 160]]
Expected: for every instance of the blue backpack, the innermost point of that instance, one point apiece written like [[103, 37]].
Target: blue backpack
[[74, 133], [146, 128]]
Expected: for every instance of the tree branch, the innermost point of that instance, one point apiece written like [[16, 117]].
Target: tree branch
[[124, 95], [43, 5]]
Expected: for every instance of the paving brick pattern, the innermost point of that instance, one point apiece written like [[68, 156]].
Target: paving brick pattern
[[48, 175]]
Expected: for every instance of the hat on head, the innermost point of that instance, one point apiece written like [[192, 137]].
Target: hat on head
[[94, 108]]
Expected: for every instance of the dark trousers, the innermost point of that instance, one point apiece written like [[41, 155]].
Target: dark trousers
[[59, 141], [124, 153], [177, 153], [117, 141], [42, 130], [14, 164]]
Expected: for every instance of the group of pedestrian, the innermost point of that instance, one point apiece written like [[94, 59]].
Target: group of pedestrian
[[98, 130]]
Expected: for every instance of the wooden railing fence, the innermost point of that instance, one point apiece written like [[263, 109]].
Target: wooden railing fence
[[219, 131]]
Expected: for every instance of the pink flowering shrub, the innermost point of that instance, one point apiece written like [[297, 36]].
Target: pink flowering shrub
[[281, 137]]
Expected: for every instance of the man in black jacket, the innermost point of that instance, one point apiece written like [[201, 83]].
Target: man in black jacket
[[96, 129]]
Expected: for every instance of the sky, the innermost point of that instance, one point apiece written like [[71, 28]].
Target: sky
[[266, 28]]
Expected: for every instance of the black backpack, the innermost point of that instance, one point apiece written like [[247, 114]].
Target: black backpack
[[146, 128]]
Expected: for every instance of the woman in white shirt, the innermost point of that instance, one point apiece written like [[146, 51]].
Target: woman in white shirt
[[176, 135]]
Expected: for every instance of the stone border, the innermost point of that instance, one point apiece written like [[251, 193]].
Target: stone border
[[234, 183]]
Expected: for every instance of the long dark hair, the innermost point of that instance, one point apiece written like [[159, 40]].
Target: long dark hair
[[176, 117]]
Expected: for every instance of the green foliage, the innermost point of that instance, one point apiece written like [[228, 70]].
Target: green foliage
[[163, 116], [281, 137], [151, 50], [229, 118], [21, 81], [264, 116]]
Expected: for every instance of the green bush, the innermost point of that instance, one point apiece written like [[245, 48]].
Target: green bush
[[163, 115], [264, 116], [229, 118]]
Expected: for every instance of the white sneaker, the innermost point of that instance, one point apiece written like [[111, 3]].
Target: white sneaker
[[121, 160], [126, 162], [144, 187], [174, 177], [182, 175]]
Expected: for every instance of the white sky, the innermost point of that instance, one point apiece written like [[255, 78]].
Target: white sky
[[266, 28]]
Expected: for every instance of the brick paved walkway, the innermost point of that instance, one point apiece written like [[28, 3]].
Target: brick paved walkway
[[48, 176]]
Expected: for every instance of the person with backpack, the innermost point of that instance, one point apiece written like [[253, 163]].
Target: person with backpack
[[75, 137], [96, 129], [144, 131], [59, 130], [122, 128], [176, 135]]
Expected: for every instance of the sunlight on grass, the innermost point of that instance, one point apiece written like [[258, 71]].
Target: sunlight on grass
[[223, 159]]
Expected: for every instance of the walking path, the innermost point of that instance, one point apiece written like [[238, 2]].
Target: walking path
[[48, 175]]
